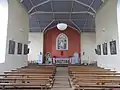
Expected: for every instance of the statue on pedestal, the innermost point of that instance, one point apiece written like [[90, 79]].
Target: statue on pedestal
[[75, 58], [48, 58], [40, 58]]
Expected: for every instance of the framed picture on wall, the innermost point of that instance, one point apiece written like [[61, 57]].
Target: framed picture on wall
[[19, 49], [99, 49], [113, 49], [25, 49], [96, 52], [11, 47], [105, 50]]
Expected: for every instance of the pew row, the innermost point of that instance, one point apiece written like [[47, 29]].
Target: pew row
[[34, 77], [93, 78]]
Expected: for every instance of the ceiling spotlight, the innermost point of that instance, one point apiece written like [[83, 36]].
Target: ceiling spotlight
[[62, 26]]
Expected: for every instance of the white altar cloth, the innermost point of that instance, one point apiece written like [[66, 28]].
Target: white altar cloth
[[62, 58]]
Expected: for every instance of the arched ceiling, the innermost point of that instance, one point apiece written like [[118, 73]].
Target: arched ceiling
[[45, 14]]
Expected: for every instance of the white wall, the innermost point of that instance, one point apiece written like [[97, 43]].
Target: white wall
[[3, 27], [17, 19], [35, 45], [107, 19], [88, 43]]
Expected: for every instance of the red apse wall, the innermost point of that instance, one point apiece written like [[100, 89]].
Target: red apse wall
[[50, 42]]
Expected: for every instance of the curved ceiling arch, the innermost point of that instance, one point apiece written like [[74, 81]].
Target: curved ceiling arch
[[79, 14], [38, 5], [86, 5], [39, 12], [55, 26]]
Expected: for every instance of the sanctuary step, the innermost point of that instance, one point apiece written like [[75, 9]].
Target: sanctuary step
[[62, 65]]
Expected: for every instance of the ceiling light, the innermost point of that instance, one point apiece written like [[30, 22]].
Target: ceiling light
[[62, 26]]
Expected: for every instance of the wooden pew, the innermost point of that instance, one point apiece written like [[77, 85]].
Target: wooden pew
[[37, 77], [93, 78], [85, 86], [23, 86]]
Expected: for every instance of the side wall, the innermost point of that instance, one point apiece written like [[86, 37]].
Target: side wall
[[17, 20], [106, 31], [35, 45], [88, 45]]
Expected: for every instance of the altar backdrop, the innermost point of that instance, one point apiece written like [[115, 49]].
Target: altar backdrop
[[73, 42]]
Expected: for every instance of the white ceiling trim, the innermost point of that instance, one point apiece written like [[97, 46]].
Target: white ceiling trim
[[55, 26], [103, 1], [75, 24], [38, 5], [21, 1], [86, 5], [48, 25], [41, 12], [88, 10]]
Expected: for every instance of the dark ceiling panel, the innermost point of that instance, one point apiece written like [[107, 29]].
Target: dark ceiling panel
[[88, 2], [43, 16], [52, 25], [79, 23], [82, 16], [61, 16], [62, 6], [45, 7], [45, 24], [27, 4], [34, 23], [77, 14], [96, 5], [77, 7], [35, 29], [36, 2], [89, 25], [34, 10]]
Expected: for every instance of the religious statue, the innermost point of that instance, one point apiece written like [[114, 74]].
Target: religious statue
[[48, 60], [40, 59], [76, 58]]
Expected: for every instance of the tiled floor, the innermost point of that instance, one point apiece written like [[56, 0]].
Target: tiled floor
[[62, 79]]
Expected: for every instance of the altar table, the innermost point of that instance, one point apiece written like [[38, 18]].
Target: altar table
[[61, 60]]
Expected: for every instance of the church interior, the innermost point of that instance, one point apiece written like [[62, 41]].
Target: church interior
[[60, 45]]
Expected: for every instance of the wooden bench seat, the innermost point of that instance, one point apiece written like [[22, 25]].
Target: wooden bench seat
[[93, 78], [111, 80], [33, 82], [96, 87], [27, 77], [25, 80], [33, 77], [97, 73], [23, 86], [94, 75], [28, 72], [25, 74], [82, 70]]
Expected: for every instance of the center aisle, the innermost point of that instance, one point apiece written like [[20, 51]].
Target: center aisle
[[62, 81]]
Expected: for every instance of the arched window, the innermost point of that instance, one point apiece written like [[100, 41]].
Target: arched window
[[62, 42]]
